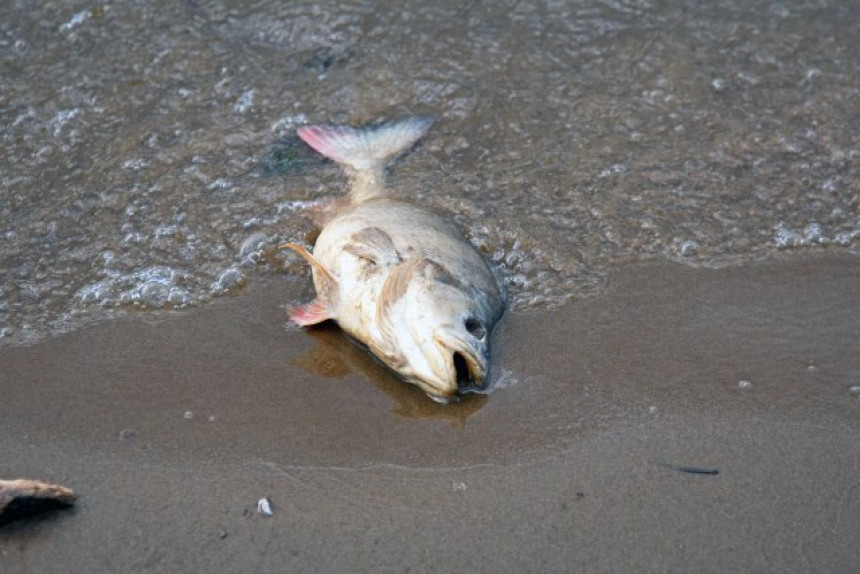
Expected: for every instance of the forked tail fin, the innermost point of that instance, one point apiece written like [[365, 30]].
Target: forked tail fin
[[365, 150]]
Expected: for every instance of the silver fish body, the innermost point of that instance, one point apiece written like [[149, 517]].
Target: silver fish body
[[399, 278]]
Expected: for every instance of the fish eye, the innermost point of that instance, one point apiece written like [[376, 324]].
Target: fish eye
[[475, 328]]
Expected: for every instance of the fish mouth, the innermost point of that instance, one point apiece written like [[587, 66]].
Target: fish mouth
[[468, 365], [463, 371], [457, 367], [467, 372]]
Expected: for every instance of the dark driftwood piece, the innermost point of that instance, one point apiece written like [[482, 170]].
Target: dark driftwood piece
[[23, 497]]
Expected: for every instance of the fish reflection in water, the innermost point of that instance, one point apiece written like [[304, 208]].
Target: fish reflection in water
[[335, 356]]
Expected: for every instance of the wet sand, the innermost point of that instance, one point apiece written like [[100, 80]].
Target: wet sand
[[171, 428]]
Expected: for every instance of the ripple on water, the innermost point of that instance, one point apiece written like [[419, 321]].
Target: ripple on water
[[571, 138]]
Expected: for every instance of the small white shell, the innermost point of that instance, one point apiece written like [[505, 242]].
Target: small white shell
[[264, 507]]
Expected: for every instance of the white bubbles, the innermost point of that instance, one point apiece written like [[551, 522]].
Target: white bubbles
[[744, 384], [136, 164], [854, 390], [294, 206], [252, 222], [251, 251], [229, 279], [166, 231], [155, 288], [245, 102], [812, 233], [613, 169], [220, 184], [289, 123], [100, 292], [152, 294], [76, 20], [681, 248], [161, 274], [166, 286], [785, 237], [846, 238], [62, 118], [689, 247], [107, 257]]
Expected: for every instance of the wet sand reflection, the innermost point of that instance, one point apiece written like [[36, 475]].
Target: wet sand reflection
[[335, 355]]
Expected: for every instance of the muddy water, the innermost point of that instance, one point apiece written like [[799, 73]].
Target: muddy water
[[149, 157]]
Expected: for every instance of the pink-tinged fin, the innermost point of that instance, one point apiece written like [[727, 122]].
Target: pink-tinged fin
[[331, 141], [365, 148], [310, 314]]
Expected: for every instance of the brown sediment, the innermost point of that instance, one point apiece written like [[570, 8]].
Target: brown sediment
[[177, 426]]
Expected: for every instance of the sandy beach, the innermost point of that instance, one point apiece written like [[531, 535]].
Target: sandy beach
[[669, 191], [683, 420]]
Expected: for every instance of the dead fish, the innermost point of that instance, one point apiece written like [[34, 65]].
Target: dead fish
[[399, 278], [24, 497]]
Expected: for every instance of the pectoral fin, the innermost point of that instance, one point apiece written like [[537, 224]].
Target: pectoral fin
[[375, 245], [310, 314], [317, 311]]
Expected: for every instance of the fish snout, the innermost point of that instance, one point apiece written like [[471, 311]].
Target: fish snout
[[467, 357]]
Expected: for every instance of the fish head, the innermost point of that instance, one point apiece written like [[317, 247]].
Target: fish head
[[435, 332]]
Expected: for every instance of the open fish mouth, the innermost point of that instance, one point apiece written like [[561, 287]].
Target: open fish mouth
[[468, 376], [459, 366], [467, 371], [469, 364]]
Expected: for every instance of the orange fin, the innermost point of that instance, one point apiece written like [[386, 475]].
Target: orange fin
[[312, 260], [310, 314]]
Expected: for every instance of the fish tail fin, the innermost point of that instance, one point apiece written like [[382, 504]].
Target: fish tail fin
[[365, 151]]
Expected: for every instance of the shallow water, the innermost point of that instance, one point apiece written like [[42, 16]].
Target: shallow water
[[149, 157]]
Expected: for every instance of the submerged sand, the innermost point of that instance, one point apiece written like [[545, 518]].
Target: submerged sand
[[684, 420]]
